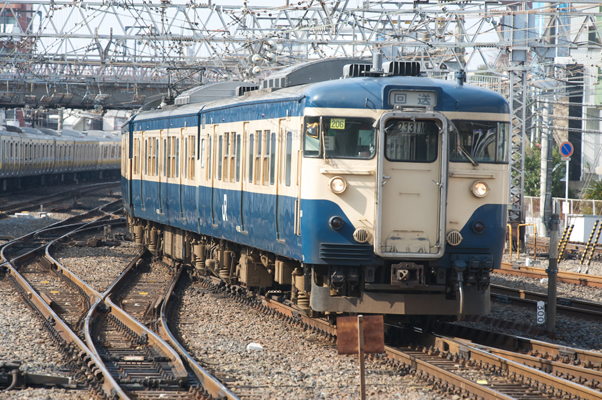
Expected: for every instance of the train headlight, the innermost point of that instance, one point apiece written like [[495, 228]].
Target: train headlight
[[338, 185], [480, 189]]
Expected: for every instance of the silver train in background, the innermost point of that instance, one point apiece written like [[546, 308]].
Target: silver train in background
[[32, 157]]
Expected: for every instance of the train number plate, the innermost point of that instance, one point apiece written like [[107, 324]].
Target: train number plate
[[337, 123]]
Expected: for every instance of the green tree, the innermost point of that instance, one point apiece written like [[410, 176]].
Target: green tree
[[533, 171], [593, 191]]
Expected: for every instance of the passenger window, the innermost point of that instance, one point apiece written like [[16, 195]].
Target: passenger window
[[203, 153], [164, 157], [185, 157], [251, 157], [156, 155], [209, 154], [177, 162], [192, 156], [219, 157], [145, 157], [237, 158], [266, 159], [411, 141], [226, 155], [169, 169], [289, 155], [273, 159]]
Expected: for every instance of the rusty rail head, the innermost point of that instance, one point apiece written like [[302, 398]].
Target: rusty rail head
[[107, 383]]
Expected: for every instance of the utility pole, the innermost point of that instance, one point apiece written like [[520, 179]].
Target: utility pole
[[552, 273]]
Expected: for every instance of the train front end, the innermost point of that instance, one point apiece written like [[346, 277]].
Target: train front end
[[406, 209]]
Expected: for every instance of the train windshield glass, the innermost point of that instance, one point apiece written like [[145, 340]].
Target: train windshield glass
[[340, 137], [411, 141], [479, 141]]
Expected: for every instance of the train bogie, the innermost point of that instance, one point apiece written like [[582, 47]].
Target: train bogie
[[381, 194]]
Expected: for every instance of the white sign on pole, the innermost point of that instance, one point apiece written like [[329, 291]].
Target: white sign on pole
[[541, 312], [566, 207]]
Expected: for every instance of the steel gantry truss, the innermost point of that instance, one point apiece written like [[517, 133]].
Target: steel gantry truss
[[123, 53]]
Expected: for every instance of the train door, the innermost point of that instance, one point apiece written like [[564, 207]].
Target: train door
[[162, 171], [126, 173], [412, 171], [181, 161], [213, 159], [244, 207], [284, 179], [143, 166]]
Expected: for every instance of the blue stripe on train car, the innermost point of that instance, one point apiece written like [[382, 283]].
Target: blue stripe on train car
[[262, 227], [258, 227]]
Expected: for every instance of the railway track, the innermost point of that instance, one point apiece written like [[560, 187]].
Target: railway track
[[116, 356], [539, 273], [445, 366], [566, 306], [31, 205]]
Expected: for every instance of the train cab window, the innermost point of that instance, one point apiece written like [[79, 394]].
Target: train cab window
[[164, 157], [273, 158], [339, 137], [411, 141], [220, 149], [251, 157], [185, 157], [289, 156], [479, 141]]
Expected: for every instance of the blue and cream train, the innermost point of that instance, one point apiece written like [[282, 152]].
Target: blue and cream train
[[348, 187], [30, 157]]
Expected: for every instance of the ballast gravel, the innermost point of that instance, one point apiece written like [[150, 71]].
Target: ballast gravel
[[294, 364], [98, 266], [23, 339]]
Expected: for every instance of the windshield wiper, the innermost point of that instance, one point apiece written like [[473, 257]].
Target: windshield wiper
[[461, 148]]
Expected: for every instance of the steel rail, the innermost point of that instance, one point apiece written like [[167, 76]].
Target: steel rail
[[55, 198], [526, 367], [533, 347], [592, 377], [538, 273], [91, 360], [572, 307], [212, 385]]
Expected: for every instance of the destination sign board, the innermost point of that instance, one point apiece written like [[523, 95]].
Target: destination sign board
[[412, 98]]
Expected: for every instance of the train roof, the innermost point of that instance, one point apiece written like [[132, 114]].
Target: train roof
[[351, 92]]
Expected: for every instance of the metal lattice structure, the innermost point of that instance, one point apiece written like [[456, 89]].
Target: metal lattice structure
[[124, 53]]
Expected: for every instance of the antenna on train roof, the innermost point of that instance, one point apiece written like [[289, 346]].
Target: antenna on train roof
[[377, 62]]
